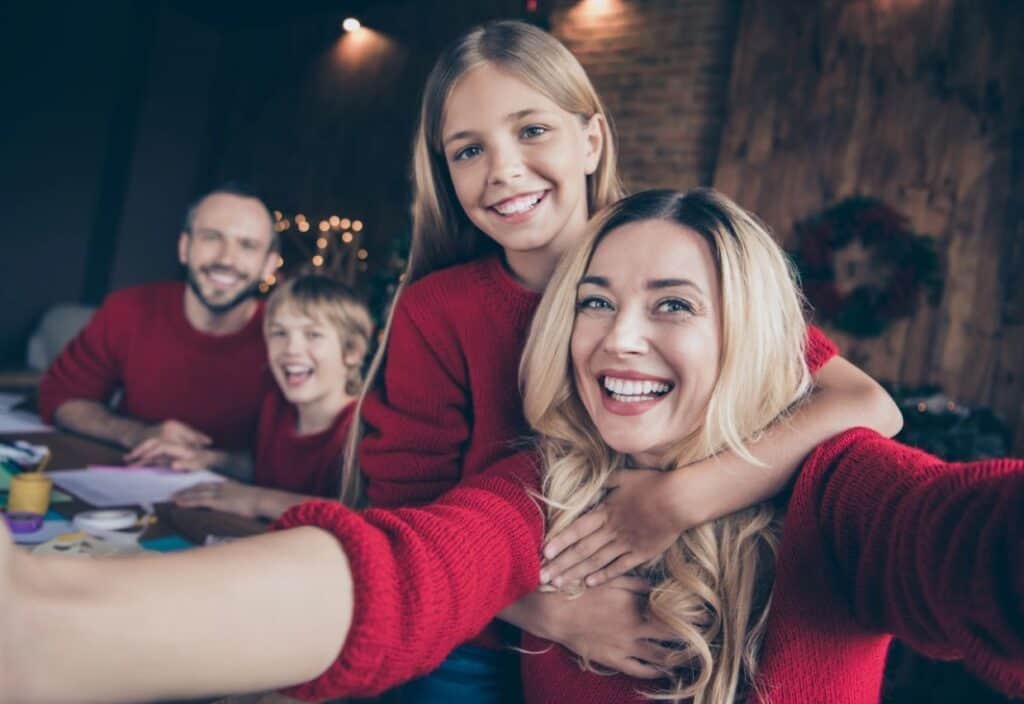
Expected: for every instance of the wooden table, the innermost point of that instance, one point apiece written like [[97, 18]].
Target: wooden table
[[194, 524]]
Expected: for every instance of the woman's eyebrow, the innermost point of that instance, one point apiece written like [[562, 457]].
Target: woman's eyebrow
[[655, 284], [595, 281]]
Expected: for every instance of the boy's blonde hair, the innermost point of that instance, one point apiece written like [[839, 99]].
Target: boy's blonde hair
[[319, 296], [442, 235], [712, 586]]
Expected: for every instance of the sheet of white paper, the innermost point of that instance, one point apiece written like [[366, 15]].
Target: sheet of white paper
[[9, 400], [50, 529], [125, 486], [22, 422]]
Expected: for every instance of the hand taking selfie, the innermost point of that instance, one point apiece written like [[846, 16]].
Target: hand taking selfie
[[638, 519]]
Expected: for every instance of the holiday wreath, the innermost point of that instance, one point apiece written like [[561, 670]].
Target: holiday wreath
[[909, 261]]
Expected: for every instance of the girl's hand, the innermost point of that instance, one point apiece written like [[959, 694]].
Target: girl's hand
[[623, 639], [638, 520], [230, 496], [157, 452]]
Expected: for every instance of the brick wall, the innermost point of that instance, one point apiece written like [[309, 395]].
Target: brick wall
[[662, 68]]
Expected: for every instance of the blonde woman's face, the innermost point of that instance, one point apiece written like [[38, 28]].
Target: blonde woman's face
[[646, 340], [519, 162]]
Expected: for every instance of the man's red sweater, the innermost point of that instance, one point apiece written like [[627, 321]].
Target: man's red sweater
[[878, 539], [303, 464], [140, 341], [449, 405]]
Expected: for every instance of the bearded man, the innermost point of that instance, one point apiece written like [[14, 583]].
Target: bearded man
[[189, 358]]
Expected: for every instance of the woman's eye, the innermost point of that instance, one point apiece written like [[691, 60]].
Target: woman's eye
[[674, 305], [277, 333], [593, 303], [466, 153], [534, 131]]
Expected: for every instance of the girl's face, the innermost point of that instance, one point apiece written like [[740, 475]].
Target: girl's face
[[519, 162], [306, 356], [647, 337]]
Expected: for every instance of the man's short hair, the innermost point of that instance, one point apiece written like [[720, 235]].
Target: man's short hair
[[233, 188]]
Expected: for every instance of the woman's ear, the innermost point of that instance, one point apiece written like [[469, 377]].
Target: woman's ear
[[593, 132]]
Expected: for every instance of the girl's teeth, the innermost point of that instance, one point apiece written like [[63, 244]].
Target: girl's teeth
[[518, 205]]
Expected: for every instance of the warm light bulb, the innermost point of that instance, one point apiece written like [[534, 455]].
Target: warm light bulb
[[321, 243], [346, 237], [299, 217], [324, 226], [345, 224], [334, 220], [277, 215], [351, 24], [303, 226], [363, 254], [280, 261], [357, 225], [318, 260], [271, 280]]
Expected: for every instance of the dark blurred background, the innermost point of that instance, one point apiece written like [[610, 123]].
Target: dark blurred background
[[117, 114]]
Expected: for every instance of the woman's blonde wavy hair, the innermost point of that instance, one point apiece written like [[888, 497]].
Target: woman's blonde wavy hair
[[442, 234], [712, 587]]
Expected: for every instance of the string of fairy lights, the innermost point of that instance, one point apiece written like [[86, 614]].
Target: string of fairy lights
[[332, 244]]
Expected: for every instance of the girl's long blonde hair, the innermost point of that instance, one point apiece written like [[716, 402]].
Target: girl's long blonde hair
[[712, 587], [442, 235]]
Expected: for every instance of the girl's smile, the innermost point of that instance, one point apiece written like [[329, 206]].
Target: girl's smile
[[519, 165]]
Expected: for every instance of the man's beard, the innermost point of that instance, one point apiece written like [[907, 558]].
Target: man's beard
[[220, 308]]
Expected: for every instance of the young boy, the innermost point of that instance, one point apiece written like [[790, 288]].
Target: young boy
[[317, 335]]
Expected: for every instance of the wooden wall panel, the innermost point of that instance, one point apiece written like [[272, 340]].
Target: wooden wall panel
[[917, 102]]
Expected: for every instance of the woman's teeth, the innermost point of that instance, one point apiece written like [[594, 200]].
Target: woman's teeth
[[630, 390], [518, 205]]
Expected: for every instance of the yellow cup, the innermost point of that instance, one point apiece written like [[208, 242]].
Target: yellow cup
[[30, 493]]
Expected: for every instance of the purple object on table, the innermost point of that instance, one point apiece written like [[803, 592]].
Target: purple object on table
[[24, 522]]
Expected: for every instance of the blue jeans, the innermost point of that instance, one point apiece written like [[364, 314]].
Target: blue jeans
[[469, 674]]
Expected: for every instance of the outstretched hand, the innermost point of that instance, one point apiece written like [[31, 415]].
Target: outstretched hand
[[637, 521]]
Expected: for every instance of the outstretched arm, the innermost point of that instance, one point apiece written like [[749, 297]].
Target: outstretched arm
[[251, 615], [393, 591]]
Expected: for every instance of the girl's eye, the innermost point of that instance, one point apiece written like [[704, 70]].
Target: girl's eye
[[593, 303], [534, 131], [466, 153], [314, 334], [674, 305], [277, 333]]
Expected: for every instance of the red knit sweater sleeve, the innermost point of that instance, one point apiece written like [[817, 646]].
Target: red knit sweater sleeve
[[933, 551], [418, 420], [427, 579], [89, 367], [819, 350]]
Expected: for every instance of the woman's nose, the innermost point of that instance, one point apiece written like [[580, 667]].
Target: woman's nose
[[627, 335]]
